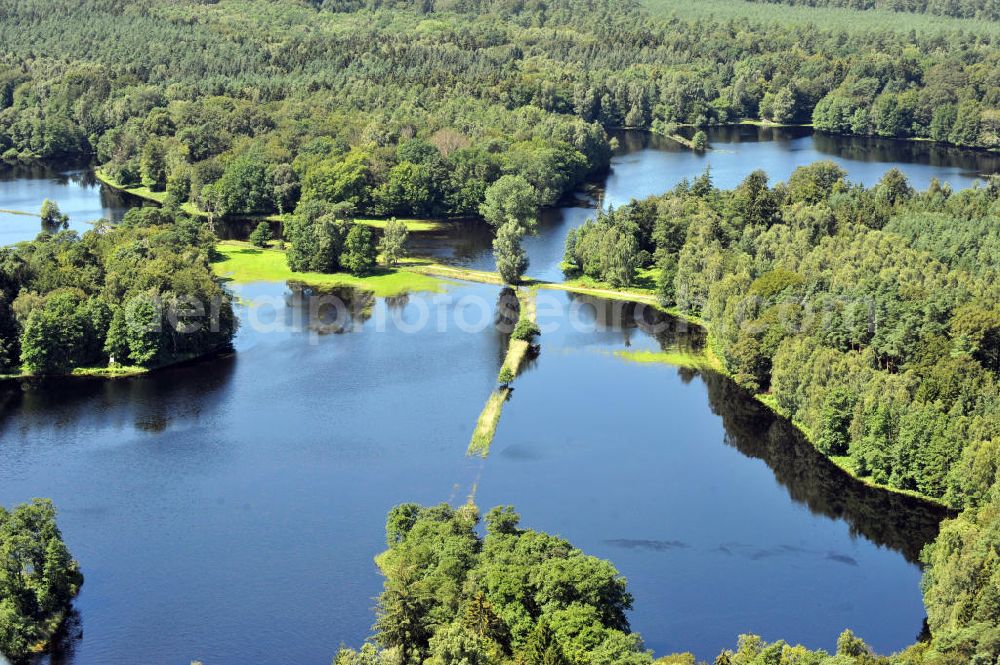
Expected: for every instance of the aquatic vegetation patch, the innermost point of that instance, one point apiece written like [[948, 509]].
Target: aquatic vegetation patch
[[691, 360], [24, 213], [486, 426], [412, 225], [518, 351]]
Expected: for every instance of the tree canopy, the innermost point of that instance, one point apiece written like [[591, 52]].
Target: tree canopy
[[38, 578], [511, 596], [140, 293], [419, 108]]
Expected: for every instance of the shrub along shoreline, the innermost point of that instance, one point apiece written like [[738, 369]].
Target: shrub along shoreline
[[115, 300]]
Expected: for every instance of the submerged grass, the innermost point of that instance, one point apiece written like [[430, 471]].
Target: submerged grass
[[486, 426], [243, 263], [25, 213], [528, 306], [429, 268], [517, 349], [686, 142], [517, 353], [677, 358]]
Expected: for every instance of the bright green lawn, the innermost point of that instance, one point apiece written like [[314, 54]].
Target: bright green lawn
[[645, 281], [243, 263]]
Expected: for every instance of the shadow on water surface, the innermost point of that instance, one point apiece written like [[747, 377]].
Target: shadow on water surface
[[148, 403], [66, 640], [889, 519], [332, 310], [633, 325], [722, 516]]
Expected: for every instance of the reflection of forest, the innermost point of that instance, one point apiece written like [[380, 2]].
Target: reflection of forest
[[329, 310], [886, 518], [671, 333], [892, 520], [150, 402], [857, 148], [873, 149]]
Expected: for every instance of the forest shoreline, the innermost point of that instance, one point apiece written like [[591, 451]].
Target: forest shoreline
[[770, 124], [419, 224], [118, 372], [711, 359]]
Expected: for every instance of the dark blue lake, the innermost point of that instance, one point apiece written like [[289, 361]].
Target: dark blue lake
[[722, 517], [78, 193], [228, 511], [647, 164]]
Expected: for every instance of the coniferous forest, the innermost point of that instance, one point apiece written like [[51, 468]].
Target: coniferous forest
[[416, 107], [867, 316]]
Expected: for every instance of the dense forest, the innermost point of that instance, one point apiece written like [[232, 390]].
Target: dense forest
[[415, 108], [522, 597], [38, 578], [140, 293], [868, 316], [987, 10], [514, 595]]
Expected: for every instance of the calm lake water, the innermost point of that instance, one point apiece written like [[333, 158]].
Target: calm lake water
[[648, 164], [722, 517], [77, 192], [228, 511]]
